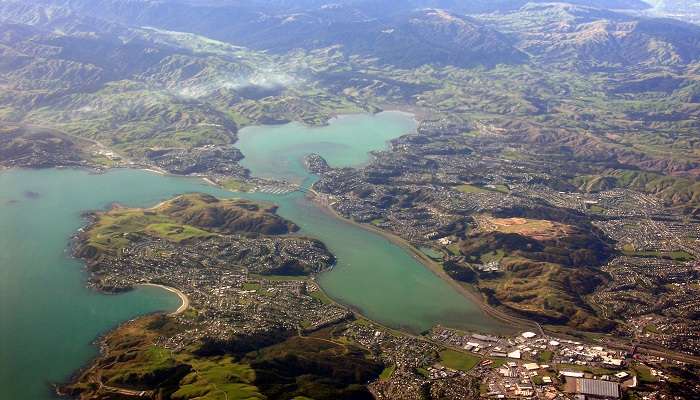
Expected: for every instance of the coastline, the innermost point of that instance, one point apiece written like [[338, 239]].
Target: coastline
[[185, 301], [468, 292], [513, 321], [155, 171], [433, 266], [417, 113]]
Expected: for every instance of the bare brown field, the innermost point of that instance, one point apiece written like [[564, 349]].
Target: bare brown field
[[538, 229]]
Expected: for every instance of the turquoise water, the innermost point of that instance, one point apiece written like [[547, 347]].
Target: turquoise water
[[48, 318], [373, 275], [380, 279], [278, 151]]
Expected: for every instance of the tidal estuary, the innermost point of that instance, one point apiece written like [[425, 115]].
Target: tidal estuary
[[48, 318]]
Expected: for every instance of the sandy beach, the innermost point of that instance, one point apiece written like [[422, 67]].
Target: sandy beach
[[155, 171], [183, 297]]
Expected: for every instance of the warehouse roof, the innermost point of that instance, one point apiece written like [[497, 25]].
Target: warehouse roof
[[595, 388]]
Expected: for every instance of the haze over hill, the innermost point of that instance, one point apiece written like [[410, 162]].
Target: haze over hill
[[687, 10]]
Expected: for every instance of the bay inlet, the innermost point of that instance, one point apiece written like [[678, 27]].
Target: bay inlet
[[48, 318]]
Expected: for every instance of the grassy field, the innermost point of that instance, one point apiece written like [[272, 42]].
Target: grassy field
[[377, 221], [321, 296], [251, 286], [644, 374], [470, 189], [283, 278], [497, 255], [176, 232], [458, 360], [545, 356], [679, 255], [236, 185], [112, 230], [387, 372], [596, 209], [217, 378], [118, 228], [423, 372], [498, 362]]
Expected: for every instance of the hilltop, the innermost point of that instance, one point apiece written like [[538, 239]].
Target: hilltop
[[225, 216], [595, 39], [545, 268], [30, 147], [182, 219]]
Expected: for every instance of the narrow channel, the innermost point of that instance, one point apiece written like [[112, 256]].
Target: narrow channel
[[380, 279]]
